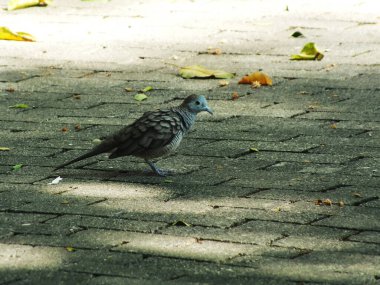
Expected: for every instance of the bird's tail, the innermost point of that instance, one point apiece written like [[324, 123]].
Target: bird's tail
[[84, 156], [105, 146]]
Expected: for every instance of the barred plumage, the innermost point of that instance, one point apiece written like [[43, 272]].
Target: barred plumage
[[154, 134]]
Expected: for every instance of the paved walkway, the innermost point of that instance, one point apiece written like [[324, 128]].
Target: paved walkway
[[304, 209]]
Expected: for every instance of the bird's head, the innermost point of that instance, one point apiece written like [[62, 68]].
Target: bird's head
[[196, 104]]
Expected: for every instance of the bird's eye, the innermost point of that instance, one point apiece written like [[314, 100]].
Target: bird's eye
[[197, 102]]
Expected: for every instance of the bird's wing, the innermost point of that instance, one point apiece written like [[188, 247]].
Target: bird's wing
[[153, 131]]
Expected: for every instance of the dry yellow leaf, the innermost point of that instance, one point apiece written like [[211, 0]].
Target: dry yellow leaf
[[7, 34], [257, 76], [215, 51], [20, 4]]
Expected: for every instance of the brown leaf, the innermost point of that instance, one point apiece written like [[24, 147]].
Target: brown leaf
[[318, 202], [64, 129], [10, 89], [327, 202], [258, 76], [341, 204], [234, 96], [357, 195], [77, 127]]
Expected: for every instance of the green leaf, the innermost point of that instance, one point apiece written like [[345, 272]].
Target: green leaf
[[253, 149], [70, 248], [20, 4], [17, 167], [146, 89], [309, 52], [4, 148], [20, 106], [297, 34], [140, 97], [198, 71]]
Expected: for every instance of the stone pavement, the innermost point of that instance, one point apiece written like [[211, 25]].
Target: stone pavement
[[229, 215]]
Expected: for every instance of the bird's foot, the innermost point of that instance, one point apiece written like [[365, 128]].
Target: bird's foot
[[164, 173], [159, 172]]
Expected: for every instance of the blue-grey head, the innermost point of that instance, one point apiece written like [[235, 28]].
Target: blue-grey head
[[196, 104]]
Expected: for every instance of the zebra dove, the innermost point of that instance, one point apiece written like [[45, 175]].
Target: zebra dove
[[154, 134]]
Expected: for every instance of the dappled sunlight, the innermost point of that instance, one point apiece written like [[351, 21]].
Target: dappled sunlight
[[24, 257], [110, 190]]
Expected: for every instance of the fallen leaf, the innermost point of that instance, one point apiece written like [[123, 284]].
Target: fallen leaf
[[10, 89], [198, 71], [308, 52], [70, 249], [168, 181], [181, 224], [258, 76], [318, 202], [140, 97], [357, 195], [297, 34], [20, 106], [17, 167], [333, 126], [65, 202], [341, 204], [128, 89], [77, 127], [215, 51], [330, 67], [146, 89], [327, 202], [4, 148], [7, 34], [234, 96], [56, 181], [276, 209], [96, 141], [223, 83], [77, 97], [64, 129], [20, 4], [253, 149]]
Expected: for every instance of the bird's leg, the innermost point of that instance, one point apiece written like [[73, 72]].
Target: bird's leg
[[158, 171]]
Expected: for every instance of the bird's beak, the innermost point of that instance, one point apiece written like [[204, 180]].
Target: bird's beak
[[209, 110]]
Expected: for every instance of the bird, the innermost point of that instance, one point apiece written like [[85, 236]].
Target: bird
[[153, 135]]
